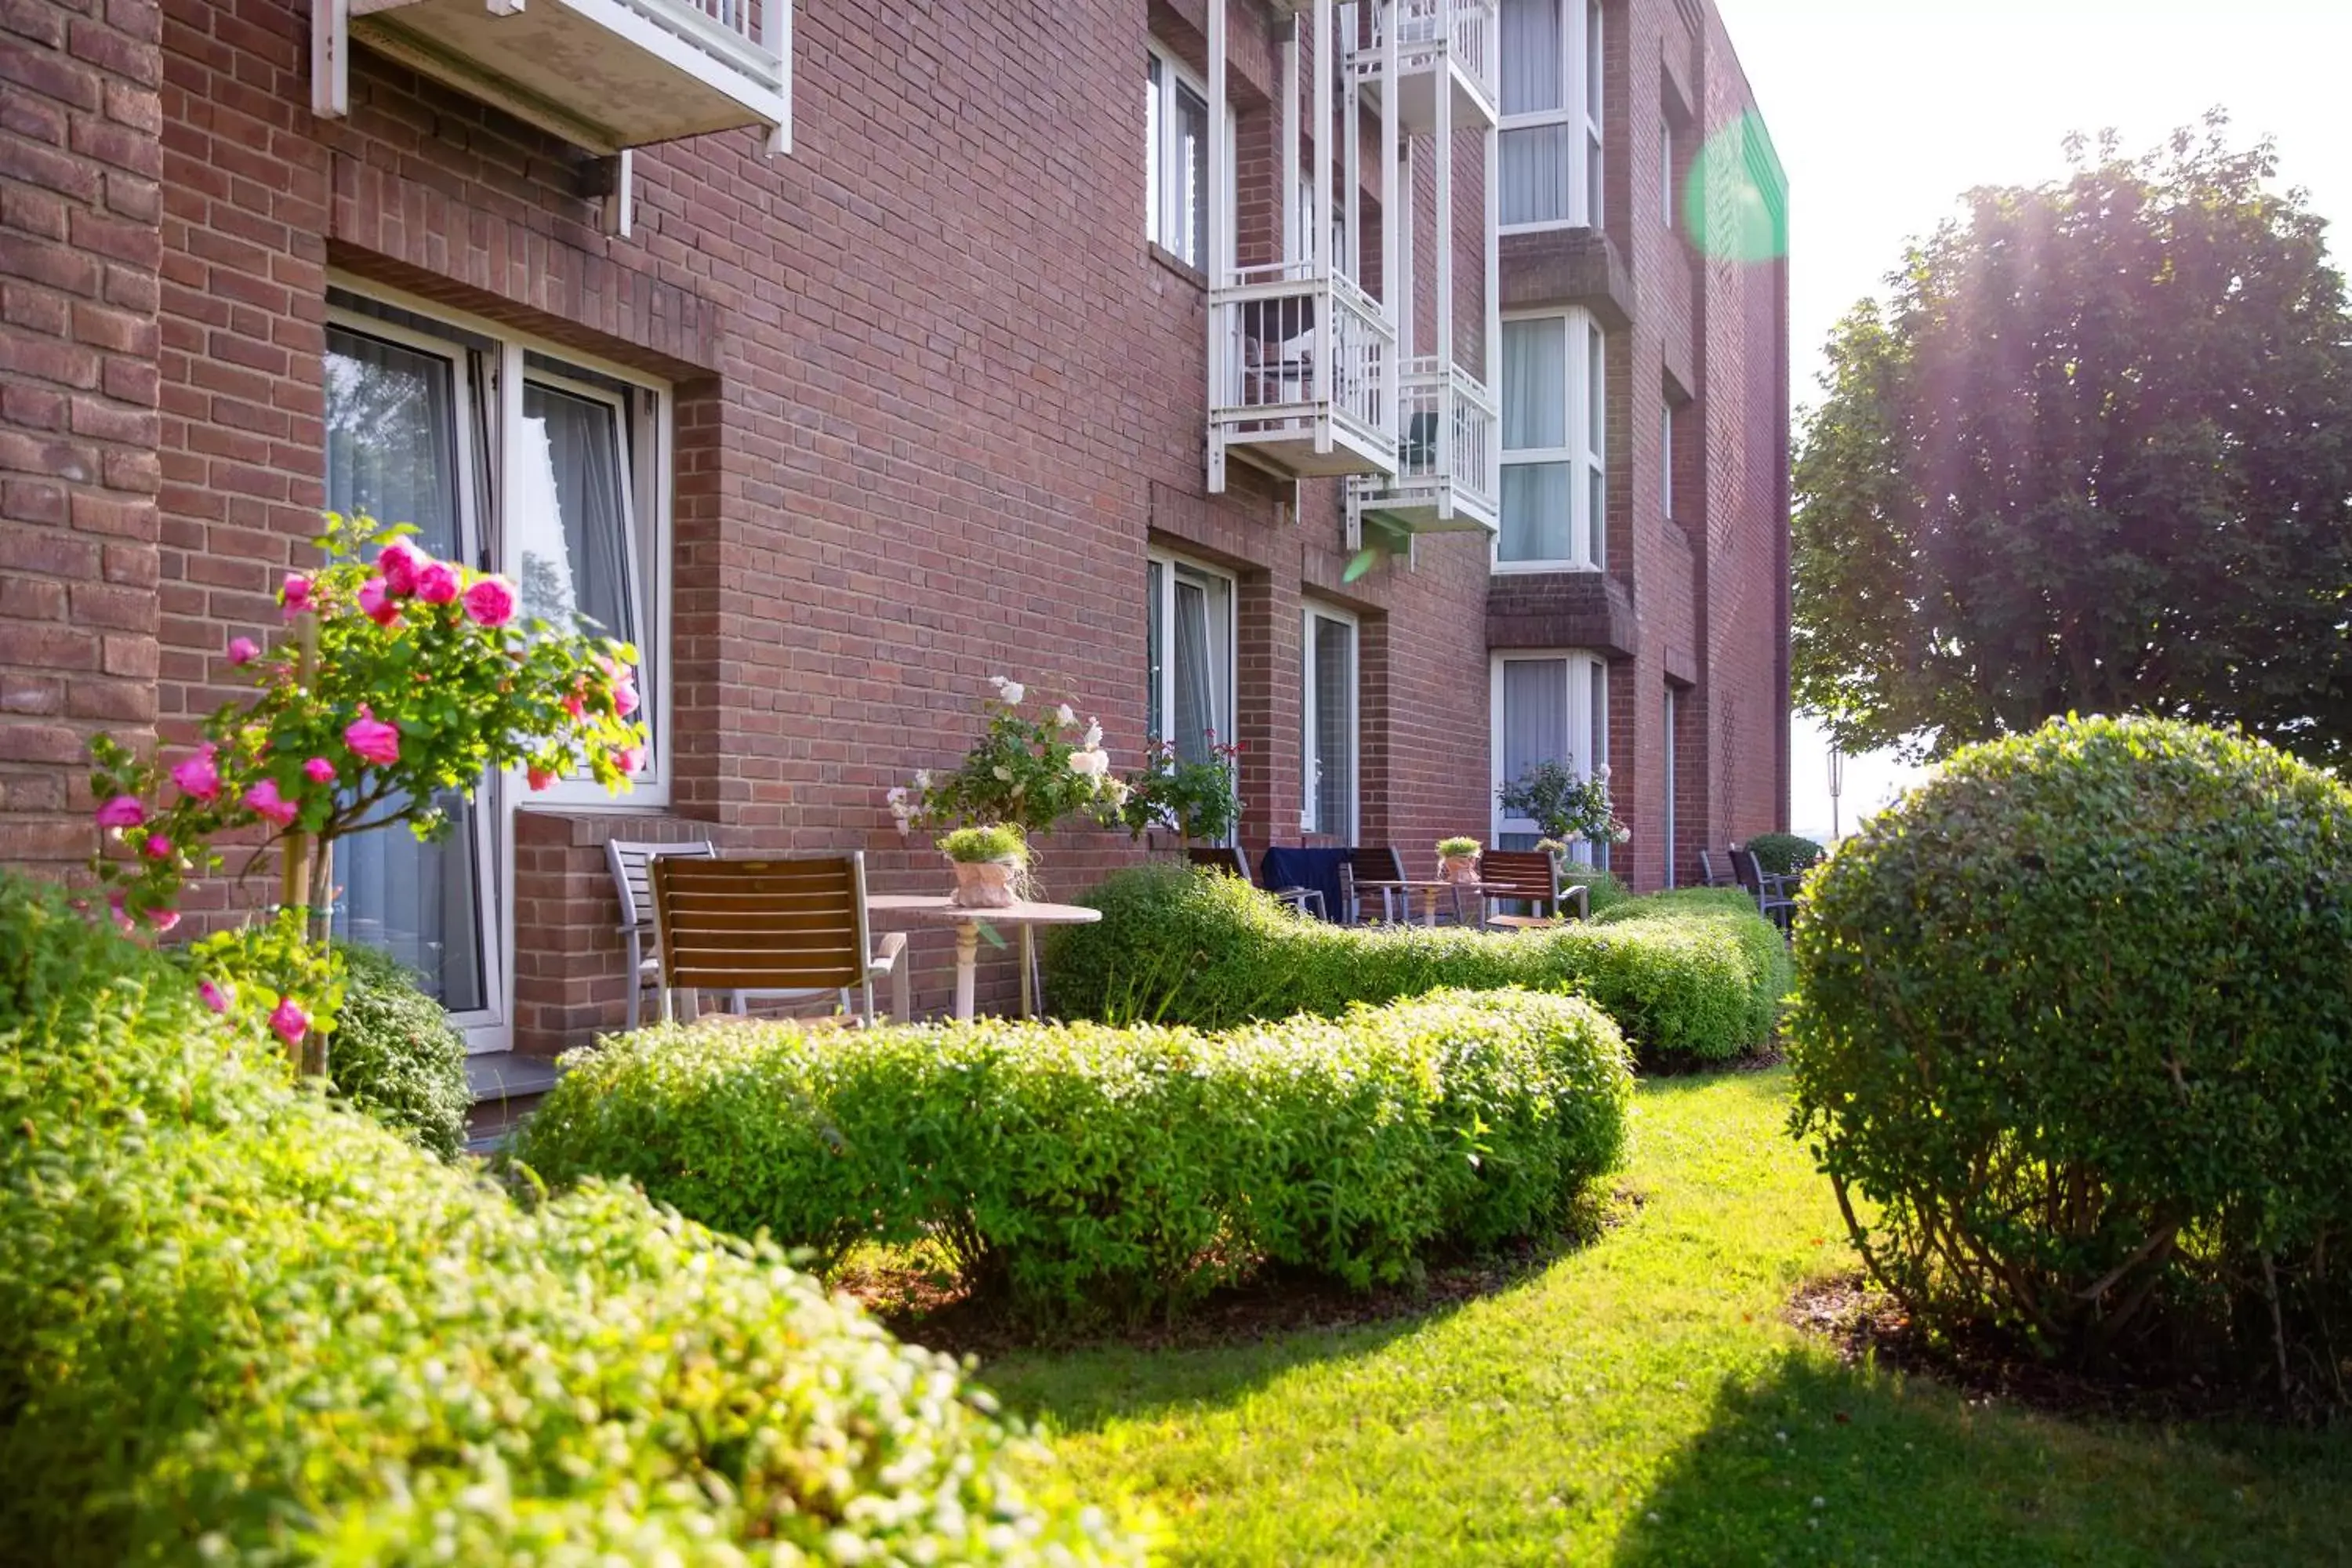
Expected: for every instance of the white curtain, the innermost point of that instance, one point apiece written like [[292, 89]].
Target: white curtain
[[574, 538], [1535, 384], [391, 441], [1532, 58], [1535, 161], [1538, 512], [1196, 707], [1334, 657]]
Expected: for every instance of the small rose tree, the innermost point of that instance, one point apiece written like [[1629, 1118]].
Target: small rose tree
[[1192, 799], [404, 679], [1563, 806], [1025, 773]]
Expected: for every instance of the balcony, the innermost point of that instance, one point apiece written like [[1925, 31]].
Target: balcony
[[1448, 476], [605, 75], [1301, 373], [1456, 42]]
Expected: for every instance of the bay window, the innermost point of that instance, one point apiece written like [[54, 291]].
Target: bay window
[[1546, 707], [507, 457], [1551, 164], [1328, 724], [1555, 419]]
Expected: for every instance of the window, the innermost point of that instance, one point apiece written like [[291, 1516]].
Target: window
[[1190, 639], [1176, 128], [549, 469], [1666, 173], [1551, 168], [1666, 817], [1546, 707], [1555, 415], [1328, 725], [1666, 460]]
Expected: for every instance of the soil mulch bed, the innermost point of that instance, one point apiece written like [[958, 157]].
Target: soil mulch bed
[[1864, 1323], [932, 1311]]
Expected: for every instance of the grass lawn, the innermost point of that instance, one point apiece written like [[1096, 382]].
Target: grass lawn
[[1642, 1401]]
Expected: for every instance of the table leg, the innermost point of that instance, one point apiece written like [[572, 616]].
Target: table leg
[[1028, 972], [966, 962]]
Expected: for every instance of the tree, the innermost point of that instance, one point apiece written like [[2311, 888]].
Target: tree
[[2092, 455]]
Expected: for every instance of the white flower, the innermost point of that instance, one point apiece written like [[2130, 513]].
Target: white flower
[[1067, 717], [1090, 764], [1003, 774], [1601, 771], [1012, 691], [1093, 737], [1619, 835], [896, 798], [922, 778], [997, 682]]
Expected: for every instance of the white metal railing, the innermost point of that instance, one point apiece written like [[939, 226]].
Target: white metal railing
[[1296, 344], [1431, 398], [1466, 30], [752, 34]]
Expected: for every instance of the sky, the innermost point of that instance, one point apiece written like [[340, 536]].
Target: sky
[[1886, 111]]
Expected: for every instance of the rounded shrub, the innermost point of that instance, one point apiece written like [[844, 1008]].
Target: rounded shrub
[[1784, 854], [1683, 981], [2075, 1019], [240, 1324], [1603, 890], [395, 1057], [1089, 1172]]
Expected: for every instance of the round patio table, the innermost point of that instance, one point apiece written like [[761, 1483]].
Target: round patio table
[[935, 910], [1431, 886]]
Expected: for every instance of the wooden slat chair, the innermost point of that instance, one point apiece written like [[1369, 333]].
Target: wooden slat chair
[[1377, 863], [773, 928], [1230, 859], [1710, 876], [1528, 877], [628, 860]]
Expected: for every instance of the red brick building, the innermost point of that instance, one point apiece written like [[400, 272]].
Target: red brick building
[[848, 357]]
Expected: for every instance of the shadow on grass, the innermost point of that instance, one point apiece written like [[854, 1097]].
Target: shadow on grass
[[1812, 1461]]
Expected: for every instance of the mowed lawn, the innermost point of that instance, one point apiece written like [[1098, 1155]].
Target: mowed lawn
[[1642, 1401]]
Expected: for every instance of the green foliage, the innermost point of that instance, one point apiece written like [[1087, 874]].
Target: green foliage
[[1022, 773], [2092, 454], [1784, 854], [1197, 799], [396, 1056], [1176, 945], [1602, 891], [1457, 845], [2074, 1017], [1002, 841], [1562, 805], [240, 1325], [1093, 1172]]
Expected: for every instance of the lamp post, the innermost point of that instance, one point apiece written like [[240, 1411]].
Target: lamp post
[[1837, 786]]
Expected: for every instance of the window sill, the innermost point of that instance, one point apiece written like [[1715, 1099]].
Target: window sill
[[1177, 264], [1533, 568]]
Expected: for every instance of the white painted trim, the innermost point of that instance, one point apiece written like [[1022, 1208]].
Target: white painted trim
[[1585, 735], [1223, 640], [1579, 33], [1586, 404], [1309, 759]]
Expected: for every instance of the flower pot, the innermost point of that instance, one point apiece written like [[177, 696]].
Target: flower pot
[[1463, 869], [984, 884]]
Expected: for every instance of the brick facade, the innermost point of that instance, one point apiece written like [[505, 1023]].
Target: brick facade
[[933, 398]]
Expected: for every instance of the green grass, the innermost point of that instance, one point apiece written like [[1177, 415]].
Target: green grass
[[1641, 1402]]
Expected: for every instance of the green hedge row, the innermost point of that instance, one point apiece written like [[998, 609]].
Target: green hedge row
[[238, 1324], [1696, 976], [1089, 1172]]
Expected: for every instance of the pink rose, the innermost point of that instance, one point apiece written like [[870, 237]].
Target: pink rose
[[243, 650], [289, 1019], [216, 997], [491, 602], [122, 916], [296, 594], [624, 699], [157, 848], [162, 919], [540, 778], [371, 739], [321, 770], [629, 758], [198, 777], [122, 811], [264, 801], [576, 705], [436, 583], [375, 603], [400, 562]]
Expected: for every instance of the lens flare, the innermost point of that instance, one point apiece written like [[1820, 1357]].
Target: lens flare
[[1735, 199]]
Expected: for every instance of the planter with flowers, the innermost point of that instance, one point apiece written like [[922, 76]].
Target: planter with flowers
[[1193, 801], [992, 865], [1025, 775], [402, 678], [1457, 859]]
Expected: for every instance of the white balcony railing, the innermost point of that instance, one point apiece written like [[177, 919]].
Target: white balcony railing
[[1302, 363], [1441, 485], [1432, 35]]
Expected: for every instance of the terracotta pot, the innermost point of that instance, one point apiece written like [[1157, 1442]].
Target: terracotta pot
[[984, 884], [1458, 868]]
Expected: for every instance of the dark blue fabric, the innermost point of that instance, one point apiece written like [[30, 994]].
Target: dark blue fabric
[[1316, 868]]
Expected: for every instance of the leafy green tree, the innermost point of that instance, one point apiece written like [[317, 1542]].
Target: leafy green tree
[[2092, 454]]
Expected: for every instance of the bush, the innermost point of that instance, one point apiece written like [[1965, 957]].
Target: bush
[[1093, 1172], [1603, 890], [1784, 854], [2074, 1016], [395, 1055], [238, 1324], [1180, 946]]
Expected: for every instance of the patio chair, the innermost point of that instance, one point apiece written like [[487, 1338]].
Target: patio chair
[[1379, 864], [628, 860], [771, 928], [1775, 894], [1710, 876], [1528, 877], [1230, 859]]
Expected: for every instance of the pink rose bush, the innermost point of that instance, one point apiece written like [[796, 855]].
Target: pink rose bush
[[420, 678]]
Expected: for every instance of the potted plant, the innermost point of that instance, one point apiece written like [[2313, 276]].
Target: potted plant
[[1563, 806], [1457, 859], [991, 863], [1195, 800]]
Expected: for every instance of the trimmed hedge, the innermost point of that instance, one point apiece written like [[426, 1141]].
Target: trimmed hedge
[[1090, 1172], [1682, 979], [238, 1324], [1784, 854], [393, 1055], [2075, 1017]]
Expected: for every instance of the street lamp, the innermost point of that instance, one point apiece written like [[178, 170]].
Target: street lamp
[[1837, 786]]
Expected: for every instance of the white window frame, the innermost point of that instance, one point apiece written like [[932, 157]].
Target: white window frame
[[1586, 418], [1588, 736], [1581, 108], [1666, 458], [1222, 626], [1163, 211], [1309, 758]]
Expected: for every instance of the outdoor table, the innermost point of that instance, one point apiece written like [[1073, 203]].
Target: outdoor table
[[1432, 886], [935, 909]]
